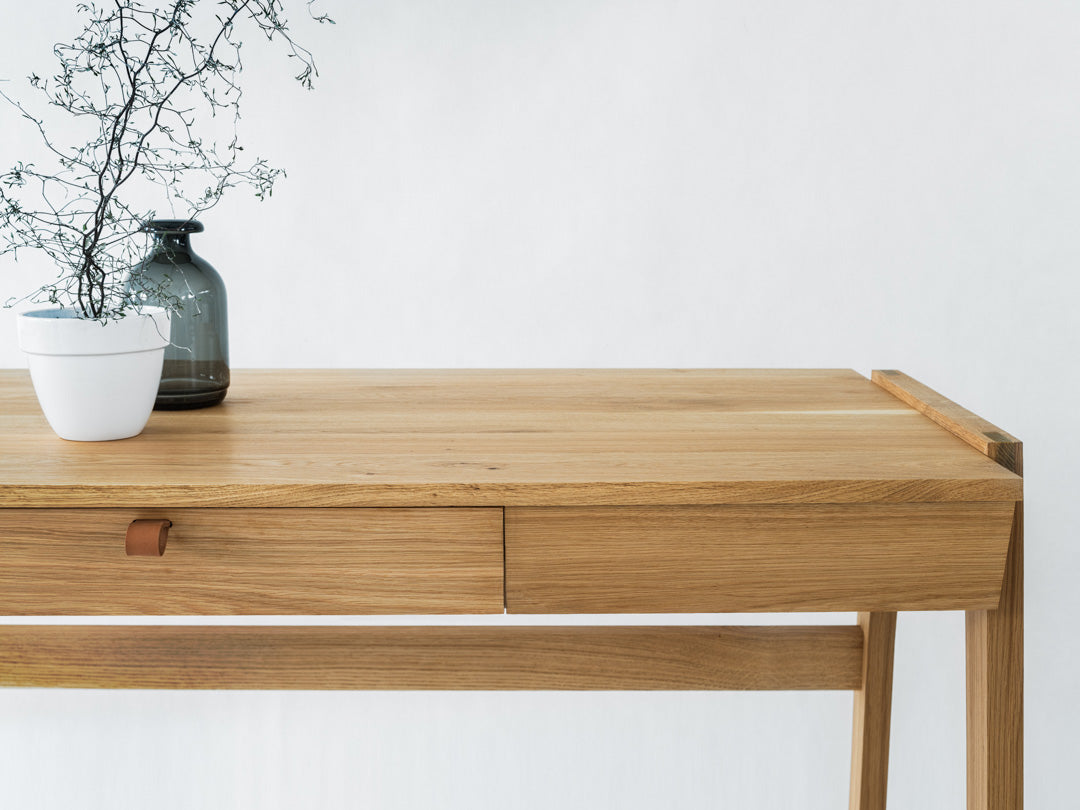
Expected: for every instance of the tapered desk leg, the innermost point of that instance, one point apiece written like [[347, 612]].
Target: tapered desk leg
[[873, 703], [995, 690]]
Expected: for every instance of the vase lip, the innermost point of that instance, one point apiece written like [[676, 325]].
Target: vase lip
[[173, 226]]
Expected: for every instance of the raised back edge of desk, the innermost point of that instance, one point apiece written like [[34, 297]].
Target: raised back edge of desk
[[984, 436]]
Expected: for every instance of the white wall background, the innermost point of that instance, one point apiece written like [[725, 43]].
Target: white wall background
[[645, 183]]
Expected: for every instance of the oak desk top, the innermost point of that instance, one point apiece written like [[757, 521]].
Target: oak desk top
[[508, 438]]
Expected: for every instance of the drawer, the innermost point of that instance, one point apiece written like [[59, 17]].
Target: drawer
[[756, 558], [254, 561]]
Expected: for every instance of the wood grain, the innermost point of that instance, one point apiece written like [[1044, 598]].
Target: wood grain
[[985, 437], [431, 657], [703, 559], [873, 707], [495, 438], [995, 638], [253, 561], [995, 691]]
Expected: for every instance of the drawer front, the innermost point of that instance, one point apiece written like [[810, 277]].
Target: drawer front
[[721, 559], [253, 561]]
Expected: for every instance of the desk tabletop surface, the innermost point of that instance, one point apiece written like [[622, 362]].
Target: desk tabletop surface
[[506, 438]]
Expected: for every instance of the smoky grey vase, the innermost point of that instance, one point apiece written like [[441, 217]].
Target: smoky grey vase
[[196, 369]]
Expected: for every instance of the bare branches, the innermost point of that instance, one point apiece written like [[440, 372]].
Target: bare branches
[[143, 77]]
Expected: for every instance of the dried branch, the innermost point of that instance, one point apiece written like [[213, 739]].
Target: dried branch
[[141, 77]]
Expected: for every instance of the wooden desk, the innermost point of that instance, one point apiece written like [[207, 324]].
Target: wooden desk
[[605, 491]]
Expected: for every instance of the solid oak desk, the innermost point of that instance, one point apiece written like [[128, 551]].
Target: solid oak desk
[[604, 491]]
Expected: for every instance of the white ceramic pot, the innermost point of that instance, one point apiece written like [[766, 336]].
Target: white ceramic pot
[[95, 382]]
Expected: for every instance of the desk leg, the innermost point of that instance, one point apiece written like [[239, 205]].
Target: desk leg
[[873, 703], [995, 690]]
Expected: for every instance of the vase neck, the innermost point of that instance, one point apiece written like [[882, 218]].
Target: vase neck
[[172, 235], [172, 242], [172, 248]]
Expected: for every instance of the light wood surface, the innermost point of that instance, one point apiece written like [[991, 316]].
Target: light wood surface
[[985, 437], [995, 691], [769, 558], [253, 561], [873, 707], [432, 657], [995, 638], [499, 438], [624, 491]]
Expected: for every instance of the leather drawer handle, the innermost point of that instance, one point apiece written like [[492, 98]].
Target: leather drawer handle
[[147, 538]]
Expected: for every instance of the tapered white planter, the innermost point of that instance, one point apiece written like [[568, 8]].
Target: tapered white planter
[[95, 382]]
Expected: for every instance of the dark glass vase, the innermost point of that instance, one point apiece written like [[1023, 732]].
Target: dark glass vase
[[196, 369]]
